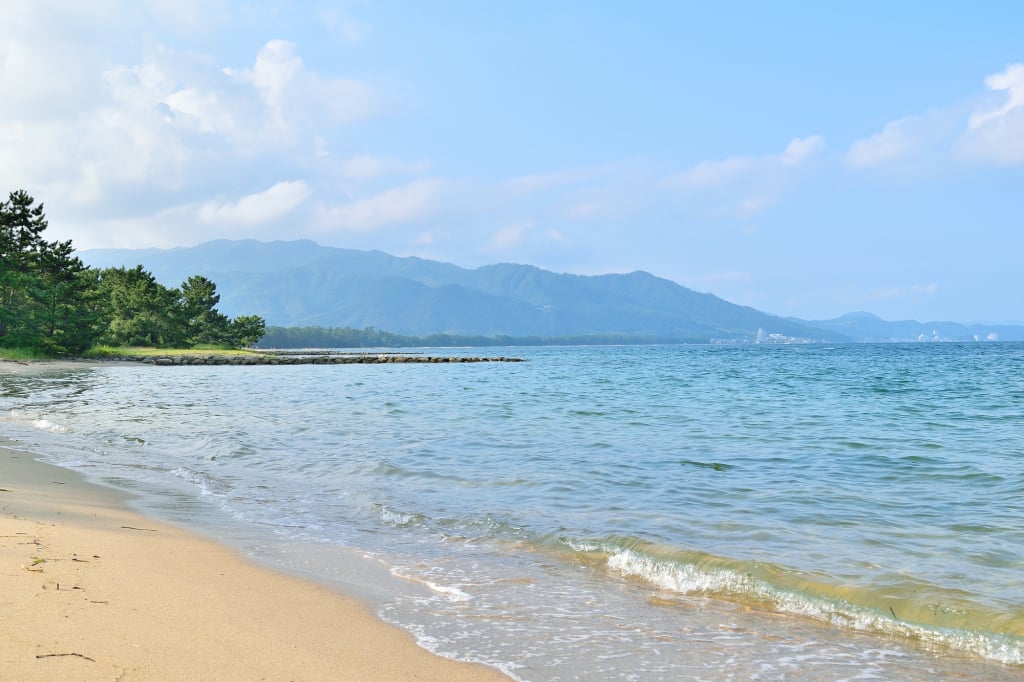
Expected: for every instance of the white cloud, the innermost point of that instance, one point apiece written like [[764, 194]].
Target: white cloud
[[426, 238], [738, 168], [408, 203], [537, 182], [757, 203], [995, 133], [524, 238], [1012, 82], [188, 15], [589, 193], [350, 30], [259, 214], [992, 133], [205, 110], [747, 185], [617, 199], [709, 173], [162, 127], [592, 208], [274, 74], [894, 142], [39, 80], [133, 142], [800, 150], [365, 167], [294, 96], [906, 143], [510, 236], [262, 207]]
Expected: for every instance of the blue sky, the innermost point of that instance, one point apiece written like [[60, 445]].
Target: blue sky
[[808, 159]]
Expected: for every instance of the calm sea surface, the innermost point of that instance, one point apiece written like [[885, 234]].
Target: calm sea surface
[[663, 512]]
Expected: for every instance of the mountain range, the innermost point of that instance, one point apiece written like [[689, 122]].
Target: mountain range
[[300, 283]]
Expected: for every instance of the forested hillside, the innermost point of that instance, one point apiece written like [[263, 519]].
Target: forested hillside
[[302, 284]]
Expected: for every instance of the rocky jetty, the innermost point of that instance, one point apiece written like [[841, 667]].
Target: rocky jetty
[[305, 358]]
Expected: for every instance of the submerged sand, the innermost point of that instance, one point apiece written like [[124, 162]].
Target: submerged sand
[[90, 590], [41, 366]]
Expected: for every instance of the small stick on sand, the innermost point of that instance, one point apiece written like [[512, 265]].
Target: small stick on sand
[[70, 654]]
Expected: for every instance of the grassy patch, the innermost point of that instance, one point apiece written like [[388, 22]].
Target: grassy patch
[[22, 354], [99, 352]]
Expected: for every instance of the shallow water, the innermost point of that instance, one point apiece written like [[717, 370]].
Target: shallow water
[[700, 512]]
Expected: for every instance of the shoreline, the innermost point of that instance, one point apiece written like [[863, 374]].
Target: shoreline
[[41, 366], [95, 591]]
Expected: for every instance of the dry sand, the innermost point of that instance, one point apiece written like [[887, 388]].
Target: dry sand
[[92, 591]]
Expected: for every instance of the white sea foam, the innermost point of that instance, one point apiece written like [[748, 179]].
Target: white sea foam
[[198, 479], [394, 517], [452, 594], [47, 425], [690, 579]]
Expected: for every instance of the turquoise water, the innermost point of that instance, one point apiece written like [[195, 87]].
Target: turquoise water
[[686, 512]]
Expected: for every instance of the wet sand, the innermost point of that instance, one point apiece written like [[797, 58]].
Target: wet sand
[[90, 590]]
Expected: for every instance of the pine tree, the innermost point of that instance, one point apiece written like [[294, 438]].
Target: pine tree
[[50, 301], [21, 227], [139, 310], [202, 322]]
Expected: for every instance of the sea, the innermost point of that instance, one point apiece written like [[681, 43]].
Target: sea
[[684, 512]]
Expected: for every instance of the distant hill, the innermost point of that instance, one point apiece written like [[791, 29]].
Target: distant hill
[[866, 327], [300, 283]]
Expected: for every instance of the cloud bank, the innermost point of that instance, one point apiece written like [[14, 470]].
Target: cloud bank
[[986, 131], [746, 185]]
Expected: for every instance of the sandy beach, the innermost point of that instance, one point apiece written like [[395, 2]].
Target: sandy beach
[[94, 591]]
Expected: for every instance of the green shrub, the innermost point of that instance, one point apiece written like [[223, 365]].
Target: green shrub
[[22, 354]]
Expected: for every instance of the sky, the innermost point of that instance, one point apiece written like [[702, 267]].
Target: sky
[[808, 159]]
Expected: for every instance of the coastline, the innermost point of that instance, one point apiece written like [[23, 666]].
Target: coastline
[[38, 366], [95, 591]]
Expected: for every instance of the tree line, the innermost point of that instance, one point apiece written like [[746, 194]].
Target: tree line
[[52, 303], [369, 337]]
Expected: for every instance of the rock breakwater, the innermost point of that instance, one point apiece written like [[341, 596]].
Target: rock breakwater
[[314, 358]]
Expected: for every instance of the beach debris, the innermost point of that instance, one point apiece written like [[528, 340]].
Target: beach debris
[[148, 530], [67, 654], [66, 589], [34, 566]]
